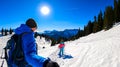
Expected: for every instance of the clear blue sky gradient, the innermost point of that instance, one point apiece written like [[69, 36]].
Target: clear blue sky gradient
[[64, 14]]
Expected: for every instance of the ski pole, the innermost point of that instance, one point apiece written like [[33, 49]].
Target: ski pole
[[2, 63]]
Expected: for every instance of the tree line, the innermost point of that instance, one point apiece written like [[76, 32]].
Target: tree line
[[5, 32], [103, 21]]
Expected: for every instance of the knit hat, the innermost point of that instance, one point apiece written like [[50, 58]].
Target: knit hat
[[31, 23]]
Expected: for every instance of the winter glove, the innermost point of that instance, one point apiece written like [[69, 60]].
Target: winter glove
[[50, 63]]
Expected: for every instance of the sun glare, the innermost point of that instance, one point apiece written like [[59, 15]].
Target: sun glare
[[45, 10]]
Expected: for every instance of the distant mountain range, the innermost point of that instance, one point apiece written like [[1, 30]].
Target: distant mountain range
[[65, 34]]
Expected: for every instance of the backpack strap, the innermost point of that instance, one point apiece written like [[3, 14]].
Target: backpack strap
[[24, 62], [18, 48]]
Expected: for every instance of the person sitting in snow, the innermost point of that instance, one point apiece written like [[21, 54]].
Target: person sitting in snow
[[29, 46], [61, 47]]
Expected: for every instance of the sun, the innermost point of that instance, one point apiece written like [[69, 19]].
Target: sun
[[45, 10]]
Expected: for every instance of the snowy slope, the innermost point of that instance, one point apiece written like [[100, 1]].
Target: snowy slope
[[101, 49]]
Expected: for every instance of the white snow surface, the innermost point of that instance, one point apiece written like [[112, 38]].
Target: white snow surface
[[101, 49]]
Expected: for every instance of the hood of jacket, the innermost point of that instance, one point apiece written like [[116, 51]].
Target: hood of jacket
[[23, 28]]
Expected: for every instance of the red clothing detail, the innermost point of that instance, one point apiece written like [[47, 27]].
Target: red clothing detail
[[61, 45]]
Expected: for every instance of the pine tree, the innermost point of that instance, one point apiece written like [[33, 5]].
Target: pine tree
[[6, 32], [116, 11], [95, 25], [89, 28], [2, 31], [53, 42], [100, 21], [108, 17], [85, 30], [10, 31], [78, 34]]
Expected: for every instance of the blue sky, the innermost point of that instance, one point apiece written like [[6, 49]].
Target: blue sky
[[64, 14]]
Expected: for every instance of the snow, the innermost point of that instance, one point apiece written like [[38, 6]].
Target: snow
[[101, 49]]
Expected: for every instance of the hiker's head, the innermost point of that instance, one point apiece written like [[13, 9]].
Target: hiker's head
[[32, 24]]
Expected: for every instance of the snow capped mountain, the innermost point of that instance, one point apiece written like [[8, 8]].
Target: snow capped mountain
[[101, 49], [65, 34]]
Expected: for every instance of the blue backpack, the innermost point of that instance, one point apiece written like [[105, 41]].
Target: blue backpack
[[14, 54]]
